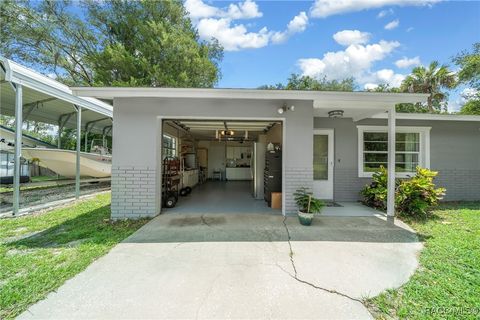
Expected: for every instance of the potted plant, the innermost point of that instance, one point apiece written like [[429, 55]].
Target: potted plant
[[308, 206]]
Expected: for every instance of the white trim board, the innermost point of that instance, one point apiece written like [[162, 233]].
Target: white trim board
[[429, 116]]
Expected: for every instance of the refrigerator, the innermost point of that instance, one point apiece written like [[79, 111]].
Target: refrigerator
[[257, 166]]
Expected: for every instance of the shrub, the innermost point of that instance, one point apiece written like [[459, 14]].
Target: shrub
[[375, 194], [306, 202], [413, 196]]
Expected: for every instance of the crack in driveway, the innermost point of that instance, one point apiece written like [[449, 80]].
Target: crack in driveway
[[295, 275], [202, 217]]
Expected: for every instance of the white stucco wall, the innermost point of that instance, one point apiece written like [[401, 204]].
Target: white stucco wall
[[137, 145]]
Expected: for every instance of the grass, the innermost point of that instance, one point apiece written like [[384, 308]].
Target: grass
[[39, 253], [447, 283]]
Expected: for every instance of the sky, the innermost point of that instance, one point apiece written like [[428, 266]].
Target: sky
[[374, 41]]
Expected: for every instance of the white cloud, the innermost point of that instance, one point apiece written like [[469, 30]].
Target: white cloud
[[245, 10], [325, 8], [355, 61], [392, 24], [348, 37], [410, 29], [385, 13], [408, 62], [388, 76], [232, 38], [198, 9], [296, 25], [219, 23]]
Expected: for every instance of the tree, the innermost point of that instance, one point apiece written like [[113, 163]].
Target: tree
[[297, 82], [112, 42], [471, 107], [400, 107], [469, 63], [430, 80]]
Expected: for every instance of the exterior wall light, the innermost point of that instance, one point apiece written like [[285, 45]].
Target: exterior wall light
[[335, 114], [283, 109]]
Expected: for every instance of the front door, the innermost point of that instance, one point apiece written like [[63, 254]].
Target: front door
[[323, 163]]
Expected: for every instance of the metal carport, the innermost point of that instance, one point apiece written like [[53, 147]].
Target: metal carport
[[27, 94]]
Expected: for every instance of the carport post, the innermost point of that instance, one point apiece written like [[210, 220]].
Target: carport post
[[86, 138], [79, 141], [391, 164], [18, 148]]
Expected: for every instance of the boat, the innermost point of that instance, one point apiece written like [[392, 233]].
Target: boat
[[96, 164]]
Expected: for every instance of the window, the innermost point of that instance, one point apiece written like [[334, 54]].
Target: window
[[320, 157], [169, 146], [411, 149]]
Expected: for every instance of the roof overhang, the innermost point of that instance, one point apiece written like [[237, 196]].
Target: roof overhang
[[356, 105], [429, 116], [254, 94]]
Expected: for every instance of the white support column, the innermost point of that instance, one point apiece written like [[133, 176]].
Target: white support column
[[18, 147], [391, 164], [79, 141]]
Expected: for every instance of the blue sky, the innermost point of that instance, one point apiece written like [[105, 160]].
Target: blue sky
[[262, 48]]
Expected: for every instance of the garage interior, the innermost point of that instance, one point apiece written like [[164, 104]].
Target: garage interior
[[221, 166]]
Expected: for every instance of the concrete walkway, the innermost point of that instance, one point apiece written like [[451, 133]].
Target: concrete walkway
[[236, 266]]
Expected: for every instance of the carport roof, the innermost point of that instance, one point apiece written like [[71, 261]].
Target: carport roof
[[46, 100]]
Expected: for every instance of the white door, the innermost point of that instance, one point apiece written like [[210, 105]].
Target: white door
[[323, 163]]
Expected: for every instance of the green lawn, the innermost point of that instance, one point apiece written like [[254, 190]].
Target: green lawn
[[39, 253], [447, 284]]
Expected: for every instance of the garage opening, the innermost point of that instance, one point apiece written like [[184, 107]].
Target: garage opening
[[221, 166]]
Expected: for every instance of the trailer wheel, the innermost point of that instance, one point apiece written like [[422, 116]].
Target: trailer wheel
[[183, 192], [170, 201], [188, 189]]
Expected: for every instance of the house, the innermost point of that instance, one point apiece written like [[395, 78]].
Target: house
[[329, 141]]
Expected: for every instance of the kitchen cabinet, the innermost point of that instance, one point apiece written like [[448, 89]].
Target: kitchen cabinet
[[236, 152], [238, 174]]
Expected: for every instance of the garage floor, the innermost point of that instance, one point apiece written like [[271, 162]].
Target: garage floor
[[237, 266], [222, 197]]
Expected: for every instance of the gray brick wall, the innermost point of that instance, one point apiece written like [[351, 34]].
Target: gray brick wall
[[461, 184], [133, 192], [295, 178], [347, 185]]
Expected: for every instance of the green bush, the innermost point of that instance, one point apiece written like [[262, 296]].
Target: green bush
[[306, 202], [375, 194], [413, 196]]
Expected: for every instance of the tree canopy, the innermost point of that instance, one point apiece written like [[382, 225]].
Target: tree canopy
[[297, 82], [432, 80], [111, 43], [469, 63]]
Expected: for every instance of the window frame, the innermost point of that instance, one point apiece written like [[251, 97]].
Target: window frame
[[175, 148], [424, 150]]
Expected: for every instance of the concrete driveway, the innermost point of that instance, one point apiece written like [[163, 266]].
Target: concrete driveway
[[240, 266]]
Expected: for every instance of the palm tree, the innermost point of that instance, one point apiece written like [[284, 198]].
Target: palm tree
[[430, 80]]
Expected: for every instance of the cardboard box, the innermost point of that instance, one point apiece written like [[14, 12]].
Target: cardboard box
[[276, 200]]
